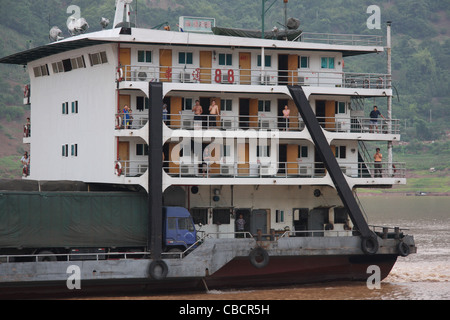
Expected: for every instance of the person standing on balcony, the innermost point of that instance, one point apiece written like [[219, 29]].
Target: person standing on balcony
[[240, 223], [377, 157], [126, 117], [286, 113], [198, 110], [374, 118], [214, 112]]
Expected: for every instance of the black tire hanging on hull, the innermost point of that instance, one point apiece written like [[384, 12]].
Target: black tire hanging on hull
[[158, 270], [259, 258]]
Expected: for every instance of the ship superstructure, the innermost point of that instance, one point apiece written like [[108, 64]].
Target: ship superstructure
[[253, 158]]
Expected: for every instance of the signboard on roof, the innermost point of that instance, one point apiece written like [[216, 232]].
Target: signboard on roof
[[196, 24]]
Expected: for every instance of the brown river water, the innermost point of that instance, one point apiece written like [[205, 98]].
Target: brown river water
[[421, 276]]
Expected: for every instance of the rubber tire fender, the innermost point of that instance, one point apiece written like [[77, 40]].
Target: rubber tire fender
[[403, 249], [257, 253], [154, 266], [369, 245]]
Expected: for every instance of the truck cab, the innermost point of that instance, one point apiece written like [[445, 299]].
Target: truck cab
[[178, 229]]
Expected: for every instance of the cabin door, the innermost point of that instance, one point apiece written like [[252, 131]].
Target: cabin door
[[245, 64], [293, 69], [205, 67], [165, 65], [258, 221], [125, 62], [175, 109], [124, 156]]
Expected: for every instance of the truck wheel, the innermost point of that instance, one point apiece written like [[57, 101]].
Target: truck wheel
[[50, 256], [158, 270]]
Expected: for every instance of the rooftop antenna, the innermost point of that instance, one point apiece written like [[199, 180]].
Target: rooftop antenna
[[122, 8]]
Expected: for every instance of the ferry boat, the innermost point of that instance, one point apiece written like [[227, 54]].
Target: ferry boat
[[279, 142]]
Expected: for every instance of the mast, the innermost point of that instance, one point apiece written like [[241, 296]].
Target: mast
[[389, 98]]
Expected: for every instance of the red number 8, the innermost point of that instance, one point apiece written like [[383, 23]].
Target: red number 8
[[218, 77], [230, 76]]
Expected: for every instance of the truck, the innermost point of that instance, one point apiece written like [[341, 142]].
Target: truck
[[51, 224]]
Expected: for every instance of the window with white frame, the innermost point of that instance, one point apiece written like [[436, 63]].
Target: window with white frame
[[225, 59], [302, 152], [226, 105], [304, 62], [185, 57], [340, 107], [144, 56], [141, 149], [186, 103], [264, 105], [327, 62], [74, 150], [340, 152], [65, 150], [98, 58], [267, 61]]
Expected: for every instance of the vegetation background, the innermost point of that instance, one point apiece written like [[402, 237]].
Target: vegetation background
[[420, 61]]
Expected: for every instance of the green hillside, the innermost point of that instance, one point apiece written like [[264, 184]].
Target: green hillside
[[420, 55]]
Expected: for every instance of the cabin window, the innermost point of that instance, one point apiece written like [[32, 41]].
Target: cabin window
[[98, 58], [327, 63], [264, 105], [200, 215], [341, 152], [65, 150], [142, 149], [226, 105], [263, 151], [267, 61], [221, 215], [57, 67], [340, 107], [186, 103], [302, 152], [185, 57], [142, 103], [41, 71], [304, 62], [144, 56], [225, 59], [74, 106], [74, 150], [65, 108], [279, 216]]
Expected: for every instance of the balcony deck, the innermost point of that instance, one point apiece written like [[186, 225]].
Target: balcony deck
[[268, 77]]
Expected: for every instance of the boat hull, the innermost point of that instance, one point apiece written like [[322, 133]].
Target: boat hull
[[237, 273]]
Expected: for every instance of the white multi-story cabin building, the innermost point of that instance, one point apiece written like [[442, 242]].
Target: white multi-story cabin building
[[262, 165]]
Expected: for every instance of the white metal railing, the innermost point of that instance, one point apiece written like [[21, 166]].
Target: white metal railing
[[230, 76], [299, 169], [130, 121], [224, 121], [342, 39], [133, 168]]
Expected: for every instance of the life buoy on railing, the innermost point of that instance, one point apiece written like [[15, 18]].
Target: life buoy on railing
[[259, 258], [119, 74], [369, 245], [403, 249], [158, 270], [26, 92], [118, 169]]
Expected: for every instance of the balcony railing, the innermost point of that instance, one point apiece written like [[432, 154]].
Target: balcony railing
[[235, 76], [262, 121], [281, 170], [342, 39], [132, 168]]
